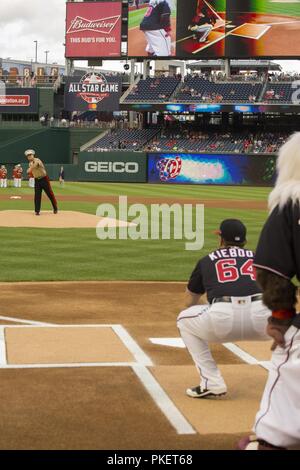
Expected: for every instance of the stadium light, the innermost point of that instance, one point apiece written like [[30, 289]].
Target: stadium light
[[46, 53], [36, 50]]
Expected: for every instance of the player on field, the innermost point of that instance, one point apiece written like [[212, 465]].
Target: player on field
[[156, 26], [234, 312], [202, 23]]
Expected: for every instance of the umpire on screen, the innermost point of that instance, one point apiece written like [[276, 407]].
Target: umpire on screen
[[41, 180]]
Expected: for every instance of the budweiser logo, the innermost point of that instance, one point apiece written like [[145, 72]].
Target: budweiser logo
[[103, 25]]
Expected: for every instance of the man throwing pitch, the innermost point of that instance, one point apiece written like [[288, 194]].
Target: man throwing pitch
[[235, 310], [156, 26], [41, 182]]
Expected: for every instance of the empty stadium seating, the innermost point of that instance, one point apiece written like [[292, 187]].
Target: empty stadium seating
[[126, 139], [279, 92], [197, 89], [153, 90]]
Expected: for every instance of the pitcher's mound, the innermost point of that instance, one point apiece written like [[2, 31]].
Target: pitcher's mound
[[64, 219]]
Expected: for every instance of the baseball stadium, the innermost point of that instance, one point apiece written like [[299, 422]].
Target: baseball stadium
[[91, 357]]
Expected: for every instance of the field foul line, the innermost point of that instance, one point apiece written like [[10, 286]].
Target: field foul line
[[152, 386], [68, 365], [163, 401], [132, 346], [3, 358], [26, 322], [246, 357]]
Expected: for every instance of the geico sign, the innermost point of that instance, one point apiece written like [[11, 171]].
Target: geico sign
[[111, 167]]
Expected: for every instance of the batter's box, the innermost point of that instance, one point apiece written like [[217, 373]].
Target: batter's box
[[250, 30], [67, 345]]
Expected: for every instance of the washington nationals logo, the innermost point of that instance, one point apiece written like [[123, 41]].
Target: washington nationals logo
[[169, 168]]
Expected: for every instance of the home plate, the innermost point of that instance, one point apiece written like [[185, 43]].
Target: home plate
[[171, 342]]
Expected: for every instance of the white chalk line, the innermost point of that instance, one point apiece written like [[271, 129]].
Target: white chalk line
[[152, 386], [3, 358], [163, 401]]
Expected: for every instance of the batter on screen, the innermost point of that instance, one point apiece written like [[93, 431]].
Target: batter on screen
[[203, 23], [156, 26], [234, 312]]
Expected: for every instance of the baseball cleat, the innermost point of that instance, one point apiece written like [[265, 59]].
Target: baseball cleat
[[55, 211], [37, 213], [248, 443], [198, 392]]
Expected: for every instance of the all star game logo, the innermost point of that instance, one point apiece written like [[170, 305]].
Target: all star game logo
[[93, 88]]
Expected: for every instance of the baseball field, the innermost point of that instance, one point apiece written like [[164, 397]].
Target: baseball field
[[89, 349]]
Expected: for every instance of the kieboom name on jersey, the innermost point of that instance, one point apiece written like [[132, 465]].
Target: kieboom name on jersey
[[93, 88]]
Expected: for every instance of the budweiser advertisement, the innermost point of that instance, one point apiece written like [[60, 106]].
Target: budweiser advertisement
[[93, 92], [18, 100], [93, 29]]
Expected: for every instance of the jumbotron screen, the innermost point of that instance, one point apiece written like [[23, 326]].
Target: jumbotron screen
[[193, 29], [93, 29], [218, 169]]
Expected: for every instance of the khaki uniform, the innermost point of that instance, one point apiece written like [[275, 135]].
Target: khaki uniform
[[42, 183], [37, 168]]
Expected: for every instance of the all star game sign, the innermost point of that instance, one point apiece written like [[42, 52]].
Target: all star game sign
[[93, 92]]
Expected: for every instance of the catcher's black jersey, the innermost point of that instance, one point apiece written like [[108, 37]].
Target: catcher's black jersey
[[279, 245], [225, 272], [157, 17]]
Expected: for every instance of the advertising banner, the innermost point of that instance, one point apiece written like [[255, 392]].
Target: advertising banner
[[93, 29], [195, 29], [152, 28], [252, 170], [93, 92], [126, 167], [18, 100]]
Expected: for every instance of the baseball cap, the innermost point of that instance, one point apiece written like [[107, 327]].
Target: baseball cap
[[233, 230], [29, 152]]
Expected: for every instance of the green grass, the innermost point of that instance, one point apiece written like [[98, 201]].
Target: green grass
[[280, 8], [77, 254]]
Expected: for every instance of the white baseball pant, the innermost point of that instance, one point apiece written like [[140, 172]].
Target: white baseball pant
[[159, 43], [205, 29], [31, 182], [278, 420], [220, 322], [3, 183]]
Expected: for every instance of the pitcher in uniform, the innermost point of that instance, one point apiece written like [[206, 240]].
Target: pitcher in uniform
[[235, 311], [41, 182]]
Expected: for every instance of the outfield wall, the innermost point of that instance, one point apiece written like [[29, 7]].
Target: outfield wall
[[53, 145], [174, 168], [178, 168]]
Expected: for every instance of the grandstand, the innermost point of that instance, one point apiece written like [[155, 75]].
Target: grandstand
[[208, 89], [158, 89], [162, 140]]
